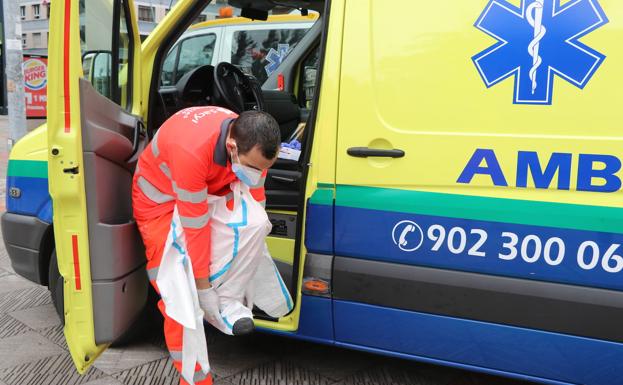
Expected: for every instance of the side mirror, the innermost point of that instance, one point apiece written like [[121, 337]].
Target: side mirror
[[97, 69]]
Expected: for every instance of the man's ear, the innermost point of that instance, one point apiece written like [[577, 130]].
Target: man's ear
[[230, 144]]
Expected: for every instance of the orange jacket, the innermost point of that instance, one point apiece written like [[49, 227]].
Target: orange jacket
[[185, 161]]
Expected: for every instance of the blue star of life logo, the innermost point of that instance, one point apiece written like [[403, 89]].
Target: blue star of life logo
[[536, 41], [275, 57]]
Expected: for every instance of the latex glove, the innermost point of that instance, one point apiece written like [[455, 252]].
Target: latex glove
[[209, 303]]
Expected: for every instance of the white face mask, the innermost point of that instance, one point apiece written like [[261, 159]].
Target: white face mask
[[247, 175]]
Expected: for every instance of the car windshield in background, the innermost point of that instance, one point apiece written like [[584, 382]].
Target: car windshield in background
[[220, 35], [259, 52]]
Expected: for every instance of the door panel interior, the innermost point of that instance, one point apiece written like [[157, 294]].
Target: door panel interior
[[115, 245], [284, 108], [282, 188]]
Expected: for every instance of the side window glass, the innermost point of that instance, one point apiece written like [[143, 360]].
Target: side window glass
[[87, 63], [124, 42], [308, 76], [100, 78], [105, 38], [259, 52], [166, 77], [194, 52]]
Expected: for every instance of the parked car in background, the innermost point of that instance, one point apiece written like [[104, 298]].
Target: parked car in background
[[257, 48]]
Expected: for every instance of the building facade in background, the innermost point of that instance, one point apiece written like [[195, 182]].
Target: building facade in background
[[35, 16]]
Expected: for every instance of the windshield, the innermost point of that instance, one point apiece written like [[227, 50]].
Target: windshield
[[219, 34]]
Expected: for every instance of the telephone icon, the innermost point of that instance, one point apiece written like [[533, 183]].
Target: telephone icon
[[402, 241], [407, 235]]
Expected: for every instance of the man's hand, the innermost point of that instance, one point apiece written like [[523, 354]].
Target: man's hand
[[209, 303]]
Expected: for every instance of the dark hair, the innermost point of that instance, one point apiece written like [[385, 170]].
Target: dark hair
[[256, 128]]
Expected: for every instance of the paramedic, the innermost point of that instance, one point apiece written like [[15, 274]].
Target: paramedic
[[196, 151]]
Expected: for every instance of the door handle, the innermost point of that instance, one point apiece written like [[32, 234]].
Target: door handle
[[365, 152], [284, 179], [139, 127]]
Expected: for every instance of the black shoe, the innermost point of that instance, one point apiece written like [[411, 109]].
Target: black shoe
[[243, 326]]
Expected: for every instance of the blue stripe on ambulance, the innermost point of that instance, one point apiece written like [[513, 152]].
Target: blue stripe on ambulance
[[34, 199]]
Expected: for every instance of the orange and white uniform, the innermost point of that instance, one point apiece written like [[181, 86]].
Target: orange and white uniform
[[186, 160]]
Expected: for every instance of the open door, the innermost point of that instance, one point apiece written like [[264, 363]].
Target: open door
[[93, 141]]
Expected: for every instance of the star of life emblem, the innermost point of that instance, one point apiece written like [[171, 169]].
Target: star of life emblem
[[275, 57], [536, 41]]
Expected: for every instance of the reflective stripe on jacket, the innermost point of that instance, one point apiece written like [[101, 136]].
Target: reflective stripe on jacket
[[186, 160]]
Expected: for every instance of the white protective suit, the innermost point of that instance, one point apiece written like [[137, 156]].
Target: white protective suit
[[242, 270], [242, 273]]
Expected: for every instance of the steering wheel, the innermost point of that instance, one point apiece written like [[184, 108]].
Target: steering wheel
[[239, 91]]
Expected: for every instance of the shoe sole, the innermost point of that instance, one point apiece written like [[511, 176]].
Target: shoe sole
[[243, 326]]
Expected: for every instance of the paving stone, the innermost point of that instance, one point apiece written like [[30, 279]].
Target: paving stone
[[24, 299], [394, 371], [156, 338], [5, 272], [55, 370], [56, 335], [278, 373], [24, 348], [214, 336], [322, 359], [386, 376], [221, 381], [469, 378], [106, 380], [39, 317], [236, 354], [12, 282], [276, 345], [159, 372], [5, 261], [115, 360], [437, 374], [10, 327]]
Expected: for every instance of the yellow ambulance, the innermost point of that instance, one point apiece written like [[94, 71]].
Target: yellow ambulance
[[456, 198]]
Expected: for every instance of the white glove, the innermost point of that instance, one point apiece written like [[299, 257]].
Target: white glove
[[209, 303]]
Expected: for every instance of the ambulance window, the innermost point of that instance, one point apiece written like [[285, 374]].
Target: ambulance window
[[308, 77], [194, 52], [259, 52], [124, 48], [168, 67], [100, 78], [106, 40]]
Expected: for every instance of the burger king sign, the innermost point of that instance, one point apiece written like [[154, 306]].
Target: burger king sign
[[35, 86]]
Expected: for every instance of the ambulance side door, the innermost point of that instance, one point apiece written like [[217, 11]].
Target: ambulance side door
[[462, 199], [94, 135]]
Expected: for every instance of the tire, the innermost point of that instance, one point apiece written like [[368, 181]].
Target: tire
[[55, 286]]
